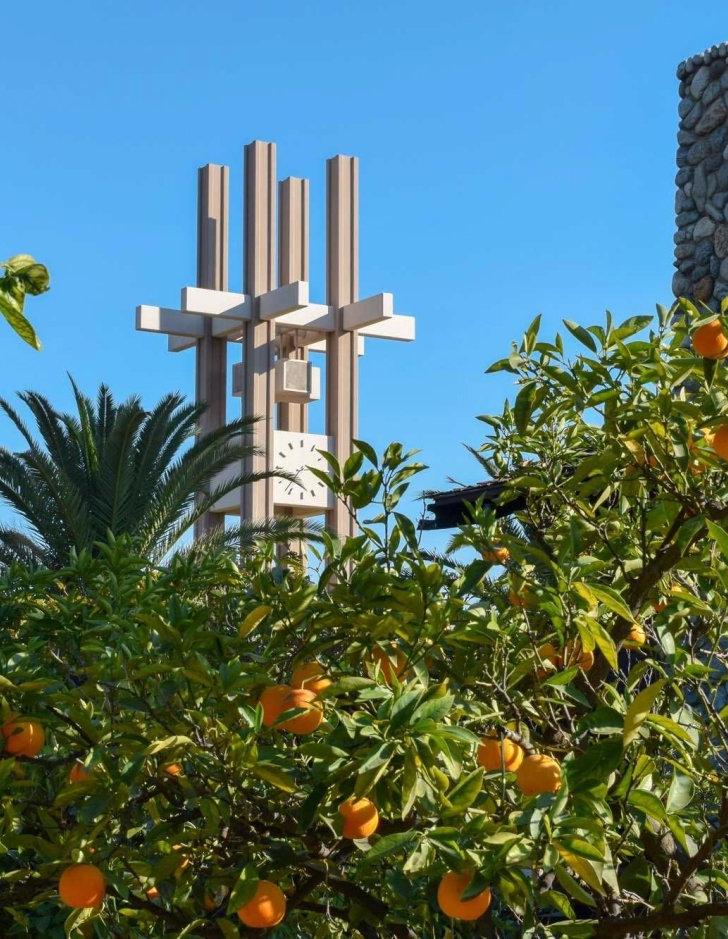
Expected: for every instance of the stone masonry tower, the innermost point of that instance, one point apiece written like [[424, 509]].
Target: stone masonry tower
[[701, 202]]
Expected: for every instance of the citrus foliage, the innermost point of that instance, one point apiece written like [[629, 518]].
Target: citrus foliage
[[22, 275], [591, 649]]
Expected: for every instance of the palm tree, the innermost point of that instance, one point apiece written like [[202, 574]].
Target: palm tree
[[115, 469]]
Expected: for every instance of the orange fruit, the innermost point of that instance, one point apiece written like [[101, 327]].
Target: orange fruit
[[313, 714], [388, 669], [659, 605], [499, 755], [720, 441], [709, 340], [311, 675], [266, 908], [82, 885], [548, 653], [78, 773], [172, 769], [636, 637], [23, 737], [538, 773], [361, 818], [449, 897], [271, 700], [497, 555], [152, 893], [574, 655]]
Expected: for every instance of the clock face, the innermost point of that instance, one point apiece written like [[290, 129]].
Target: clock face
[[294, 454]]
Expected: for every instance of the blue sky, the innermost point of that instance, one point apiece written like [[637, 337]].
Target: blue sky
[[515, 159]]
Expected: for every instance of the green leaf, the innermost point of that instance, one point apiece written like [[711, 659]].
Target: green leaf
[[403, 709], [581, 866], [594, 765], [580, 846], [253, 619], [573, 887], [524, 404], [228, 929], [378, 756], [648, 803], [639, 709], [670, 727], [680, 793], [434, 709], [465, 792], [177, 740], [275, 776], [391, 843], [612, 600], [581, 334], [719, 536], [368, 450], [13, 313]]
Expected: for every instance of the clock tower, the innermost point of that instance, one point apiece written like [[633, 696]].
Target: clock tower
[[279, 331]]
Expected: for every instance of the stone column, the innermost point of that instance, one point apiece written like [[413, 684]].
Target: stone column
[[701, 202]]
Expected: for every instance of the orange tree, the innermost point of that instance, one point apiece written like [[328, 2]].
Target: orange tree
[[530, 743]]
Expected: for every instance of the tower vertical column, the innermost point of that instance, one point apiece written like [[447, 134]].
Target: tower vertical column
[[258, 351], [212, 273], [342, 287], [293, 196]]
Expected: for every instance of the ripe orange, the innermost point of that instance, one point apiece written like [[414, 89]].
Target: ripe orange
[[449, 897], [271, 700], [548, 653], [574, 655], [172, 769], [82, 885], [538, 773], [720, 441], [311, 675], [23, 737], [388, 669], [497, 555], [152, 893], [636, 637], [266, 908], [499, 755], [313, 714], [78, 773], [361, 818], [709, 340]]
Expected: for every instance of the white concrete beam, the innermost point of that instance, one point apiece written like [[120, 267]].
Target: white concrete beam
[[397, 327], [316, 316], [156, 319], [225, 303], [180, 343], [368, 311], [283, 300]]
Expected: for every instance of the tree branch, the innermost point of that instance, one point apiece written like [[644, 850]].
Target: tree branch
[[662, 919]]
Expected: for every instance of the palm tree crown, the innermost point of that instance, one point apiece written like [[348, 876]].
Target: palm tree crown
[[114, 469]]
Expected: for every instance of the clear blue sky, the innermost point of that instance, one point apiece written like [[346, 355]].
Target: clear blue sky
[[515, 158]]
